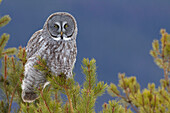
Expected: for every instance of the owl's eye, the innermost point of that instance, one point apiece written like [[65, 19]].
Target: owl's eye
[[66, 26], [56, 26]]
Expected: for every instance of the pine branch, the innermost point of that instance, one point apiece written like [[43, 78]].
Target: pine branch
[[144, 104], [4, 20], [69, 99], [5, 77], [27, 105], [89, 88], [13, 93], [9, 51], [68, 95], [13, 64], [162, 55], [44, 101], [127, 93], [164, 59], [22, 55], [3, 40], [5, 71], [99, 89]]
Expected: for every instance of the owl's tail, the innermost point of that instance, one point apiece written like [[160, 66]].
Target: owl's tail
[[29, 96], [28, 91], [33, 80]]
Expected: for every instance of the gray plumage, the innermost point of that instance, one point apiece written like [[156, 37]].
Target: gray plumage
[[56, 43]]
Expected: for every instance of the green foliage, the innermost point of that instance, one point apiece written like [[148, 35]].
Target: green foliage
[[10, 81], [148, 100], [162, 56], [91, 89], [151, 99], [3, 41], [115, 107], [4, 20]]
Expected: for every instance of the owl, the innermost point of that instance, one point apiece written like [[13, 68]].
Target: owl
[[56, 43]]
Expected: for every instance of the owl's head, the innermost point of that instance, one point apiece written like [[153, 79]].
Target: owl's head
[[61, 26]]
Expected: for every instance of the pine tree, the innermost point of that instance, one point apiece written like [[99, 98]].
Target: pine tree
[[68, 96], [151, 99]]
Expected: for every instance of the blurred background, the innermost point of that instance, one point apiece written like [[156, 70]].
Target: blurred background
[[117, 33]]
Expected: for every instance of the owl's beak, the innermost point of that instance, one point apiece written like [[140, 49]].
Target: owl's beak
[[61, 34]]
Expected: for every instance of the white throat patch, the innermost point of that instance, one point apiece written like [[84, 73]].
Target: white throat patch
[[57, 39], [64, 38]]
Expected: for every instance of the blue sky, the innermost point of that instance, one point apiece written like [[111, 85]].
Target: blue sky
[[117, 33]]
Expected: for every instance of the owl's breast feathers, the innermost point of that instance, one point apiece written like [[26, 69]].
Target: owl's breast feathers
[[39, 43], [61, 56]]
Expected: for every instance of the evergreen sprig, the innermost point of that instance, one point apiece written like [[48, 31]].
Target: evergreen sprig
[[91, 89], [3, 41], [4, 20], [162, 56], [114, 107]]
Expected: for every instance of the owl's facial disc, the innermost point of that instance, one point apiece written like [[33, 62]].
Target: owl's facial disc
[[61, 27]]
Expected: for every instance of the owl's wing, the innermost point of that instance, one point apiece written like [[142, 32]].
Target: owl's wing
[[32, 45]]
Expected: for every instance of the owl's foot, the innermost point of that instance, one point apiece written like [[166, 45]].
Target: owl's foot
[[29, 96]]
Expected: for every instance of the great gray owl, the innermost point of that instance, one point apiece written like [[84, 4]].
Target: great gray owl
[[56, 43]]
